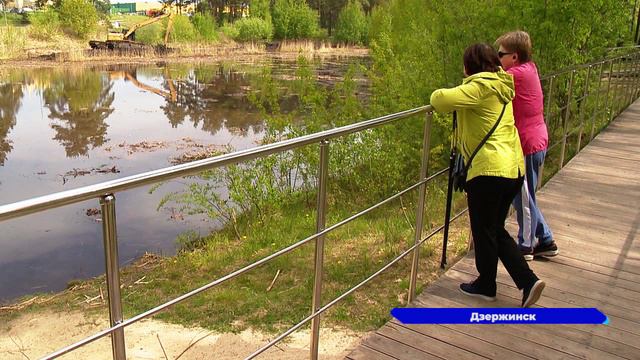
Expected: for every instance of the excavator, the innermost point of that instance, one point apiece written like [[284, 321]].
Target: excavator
[[125, 40]]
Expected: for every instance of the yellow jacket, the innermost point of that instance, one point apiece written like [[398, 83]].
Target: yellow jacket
[[479, 101]]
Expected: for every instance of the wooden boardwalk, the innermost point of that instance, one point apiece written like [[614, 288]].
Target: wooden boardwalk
[[593, 208]]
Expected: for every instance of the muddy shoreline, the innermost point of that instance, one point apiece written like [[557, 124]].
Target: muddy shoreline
[[207, 55]]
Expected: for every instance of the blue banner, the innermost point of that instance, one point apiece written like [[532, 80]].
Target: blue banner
[[499, 316]]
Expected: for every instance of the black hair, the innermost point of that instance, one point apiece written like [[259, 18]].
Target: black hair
[[479, 58]]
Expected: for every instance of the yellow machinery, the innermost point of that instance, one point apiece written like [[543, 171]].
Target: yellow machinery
[[125, 40]]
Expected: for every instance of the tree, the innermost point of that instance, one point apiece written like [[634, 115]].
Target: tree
[[293, 19], [79, 16], [353, 25]]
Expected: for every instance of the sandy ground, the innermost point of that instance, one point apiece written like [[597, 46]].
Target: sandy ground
[[34, 335]]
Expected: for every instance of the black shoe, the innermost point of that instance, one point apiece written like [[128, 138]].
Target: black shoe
[[546, 250], [532, 294], [526, 252], [471, 289]]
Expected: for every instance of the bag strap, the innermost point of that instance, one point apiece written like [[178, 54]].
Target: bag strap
[[486, 137]]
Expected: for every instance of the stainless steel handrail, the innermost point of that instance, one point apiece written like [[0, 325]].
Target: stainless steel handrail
[[46, 202]]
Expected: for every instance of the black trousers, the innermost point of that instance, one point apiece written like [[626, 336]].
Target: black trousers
[[489, 198]]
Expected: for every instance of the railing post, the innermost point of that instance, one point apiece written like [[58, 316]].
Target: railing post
[[620, 88], [629, 80], [108, 208], [606, 101], [567, 114], [321, 220], [634, 86], [597, 110], [547, 119], [614, 95], [424, 166], [585, 96]]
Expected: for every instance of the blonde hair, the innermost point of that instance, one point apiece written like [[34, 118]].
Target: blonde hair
[[518, 42]]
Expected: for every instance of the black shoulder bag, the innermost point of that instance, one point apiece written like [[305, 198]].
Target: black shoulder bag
[[459, 169]]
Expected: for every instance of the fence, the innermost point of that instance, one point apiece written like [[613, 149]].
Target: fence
[[579, 102]]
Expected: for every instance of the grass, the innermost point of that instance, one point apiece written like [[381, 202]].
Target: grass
[[10, 19], [13, 41], [352, 253]]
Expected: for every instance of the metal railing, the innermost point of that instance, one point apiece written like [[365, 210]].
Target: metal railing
[[561, 103]]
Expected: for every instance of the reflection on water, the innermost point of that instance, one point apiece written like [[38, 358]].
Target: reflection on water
[[60, 126], [79, 104], [10, 101]]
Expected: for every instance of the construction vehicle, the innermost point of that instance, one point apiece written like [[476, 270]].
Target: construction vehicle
[[125, 40]]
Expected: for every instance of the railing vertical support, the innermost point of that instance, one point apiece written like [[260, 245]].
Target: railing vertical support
[[567, 114], [634, 86], [629, 81], [110, 238], [583, 102], [547, 119], [620, 88], [614, 94], [597, 110], [424, 168], [606, 101], [321, 220]]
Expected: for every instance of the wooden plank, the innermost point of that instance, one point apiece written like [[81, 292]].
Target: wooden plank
[[546, 337], [579, 286], [511, 297], [464, 341], [597, 268], [424, 343], [364, 352], [574, 340], [395, 349]]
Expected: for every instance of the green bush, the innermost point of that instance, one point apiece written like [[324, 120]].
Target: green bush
[[10, 19], [353, 25], [44, 24], [230, 31], [79, 17], [253, 29], [294, 19], [205, 26], [183, 29]]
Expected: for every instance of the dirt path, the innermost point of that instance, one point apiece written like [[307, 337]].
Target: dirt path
[[34, 335]]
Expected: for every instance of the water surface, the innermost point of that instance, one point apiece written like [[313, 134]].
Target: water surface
[[63, 128]]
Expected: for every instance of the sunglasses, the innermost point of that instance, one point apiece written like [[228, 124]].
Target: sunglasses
[[501, 54]]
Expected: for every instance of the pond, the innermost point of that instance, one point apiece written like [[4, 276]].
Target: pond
[[66, 127]]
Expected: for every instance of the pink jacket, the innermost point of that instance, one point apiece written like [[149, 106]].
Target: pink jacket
[[528, 108]]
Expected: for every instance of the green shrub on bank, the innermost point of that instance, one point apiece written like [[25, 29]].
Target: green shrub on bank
[[10, 19], [12, 42], [183, 29], [44, 24], [294, 19], [253, 29], [229, 30], [205, 26], [79, 17], [353, 25]]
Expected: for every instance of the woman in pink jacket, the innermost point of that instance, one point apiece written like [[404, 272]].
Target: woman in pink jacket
[[534, 236]]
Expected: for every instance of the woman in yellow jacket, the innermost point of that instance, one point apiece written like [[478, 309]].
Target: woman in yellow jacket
[[496, 172]]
